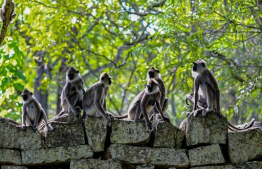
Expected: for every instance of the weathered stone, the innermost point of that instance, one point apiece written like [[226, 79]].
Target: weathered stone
[[129, 132], [95, 164], [206, 155], [215, 167], [144, 155], [12, 167], [210, 129], [245, 145], [145, 166], [168, 136], [13, 137], [55, 155], [10, 157], [65, 136], [96, 131], [249, 165]]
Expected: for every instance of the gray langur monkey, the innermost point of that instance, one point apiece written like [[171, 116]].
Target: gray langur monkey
[[205, 85], [206, 93], [4, 11], [155, 73], [33, 113], [145, 102], [94, 100], [72, 93]]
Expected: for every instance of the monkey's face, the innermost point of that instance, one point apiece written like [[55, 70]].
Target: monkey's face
[[72, 74], [199, 66], [153, 73], [152, 86], [26, 95]]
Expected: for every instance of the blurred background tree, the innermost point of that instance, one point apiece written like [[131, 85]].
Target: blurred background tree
[[125, 38]]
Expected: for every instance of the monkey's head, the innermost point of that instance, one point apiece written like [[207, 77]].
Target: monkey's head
[[199, 66], [72, 74], [153, 73], [105, 79], [152, 86], [27, 95]]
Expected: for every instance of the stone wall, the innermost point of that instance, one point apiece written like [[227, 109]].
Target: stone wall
[[200, 143]]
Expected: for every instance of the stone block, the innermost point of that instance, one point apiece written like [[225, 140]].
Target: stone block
[[165, 157], [95, 164], [145, 166], [57, 155], [129, 132], [210, 129], [168, 136], [96, 131], [65, 136], [215, 167], [206, 155], [245, 145], [14, 137], [8, 156], [13, 167]]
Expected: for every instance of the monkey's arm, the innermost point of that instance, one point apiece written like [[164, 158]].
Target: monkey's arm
[[143, 104], [106, 91], [196, 87], [68, 99], [38, 112], [98, 96], [24, 114]]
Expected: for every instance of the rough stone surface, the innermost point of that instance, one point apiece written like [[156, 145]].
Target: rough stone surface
[[249, 165], [215, 167], [13, 137], [96, 131], [10, 157], [143, 155], [206, 155], [209, 129], [55, 155], [145, 166], [95, 164], [129, 132], [168, 136], [245, 145], [12, 167], [65, 136]]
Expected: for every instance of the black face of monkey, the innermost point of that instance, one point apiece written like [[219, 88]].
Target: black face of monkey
[[151, 74], [24, 97], [150, 88], [109, 81], [71, 76], [195, 66]]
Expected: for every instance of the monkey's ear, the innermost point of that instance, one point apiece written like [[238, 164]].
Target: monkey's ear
[[203, 64]]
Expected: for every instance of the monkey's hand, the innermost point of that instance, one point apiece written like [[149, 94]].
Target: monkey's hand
[[34, 128], [23, 128], [76, 113], [149, 125]]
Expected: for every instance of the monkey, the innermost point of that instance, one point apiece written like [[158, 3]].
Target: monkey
[[33, 113], [155, 73], [94, 99], [4, 9], [206, 85], [72, 93], [145, 102], [206, 91]]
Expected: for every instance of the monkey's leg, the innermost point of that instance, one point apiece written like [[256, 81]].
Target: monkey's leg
[[138, 114], [165, 105], [49, 127], [210, 100], [74, 99], [37, 115]]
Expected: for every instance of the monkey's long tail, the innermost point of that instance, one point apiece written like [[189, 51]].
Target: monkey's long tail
[[80, 120], [231, 127], [121, 117]]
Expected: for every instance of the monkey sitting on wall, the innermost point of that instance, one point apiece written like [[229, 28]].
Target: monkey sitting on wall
[[72, 93], [145, 102], [206, 93], [33, 113], [94, 100]]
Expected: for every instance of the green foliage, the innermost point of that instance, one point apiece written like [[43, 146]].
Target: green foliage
[[126, 39]]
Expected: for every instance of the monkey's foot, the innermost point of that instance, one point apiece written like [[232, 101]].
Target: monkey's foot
[[205, 111], [110, 116], [34, 128], [149, 126], [23, 128], [49, 127], [166, 119]]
